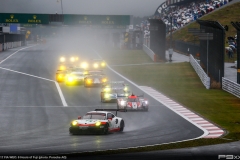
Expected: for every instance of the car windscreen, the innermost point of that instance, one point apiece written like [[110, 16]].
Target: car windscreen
[[77, 74], [100, 116], [132, 100]]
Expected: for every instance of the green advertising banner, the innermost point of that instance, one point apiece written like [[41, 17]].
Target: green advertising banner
[[68, 19], [97, 20], [24, 18]]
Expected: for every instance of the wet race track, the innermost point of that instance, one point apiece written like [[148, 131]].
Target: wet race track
[[34, 119]]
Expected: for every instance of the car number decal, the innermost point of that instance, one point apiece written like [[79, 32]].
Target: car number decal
[[134, 105]]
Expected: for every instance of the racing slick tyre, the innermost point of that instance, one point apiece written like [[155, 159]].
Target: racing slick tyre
[[105, 129], [121, 125]]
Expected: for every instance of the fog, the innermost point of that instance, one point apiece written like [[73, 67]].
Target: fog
[[75, 39]]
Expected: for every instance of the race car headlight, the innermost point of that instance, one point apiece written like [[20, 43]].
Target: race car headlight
[[72, 59], [76, 58], [106, 96], [62, 59], [126, 94], [146, 102], [60, 76], [95, 65], [107, 89], [84, 65], [122, 103], [62, 68], [89, 81], [103, 64], [125, 88], [70, 79], [74, 123], [104, 80], [97, 123]]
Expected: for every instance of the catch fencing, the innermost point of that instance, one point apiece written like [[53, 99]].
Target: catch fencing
[[231, 87], [186, 47], [202, 75]]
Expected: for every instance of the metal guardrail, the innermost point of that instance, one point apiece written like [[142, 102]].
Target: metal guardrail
[[202, 75], [231, 87], [149, 52]]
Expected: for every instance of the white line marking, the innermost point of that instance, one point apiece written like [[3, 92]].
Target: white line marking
[[15, 53], [61, 95], [27, 74], [58, 87]]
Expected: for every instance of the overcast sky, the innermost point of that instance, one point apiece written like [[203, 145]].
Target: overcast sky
[[105, 7]]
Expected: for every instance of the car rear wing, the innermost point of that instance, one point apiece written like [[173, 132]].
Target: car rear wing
[[117, 110]]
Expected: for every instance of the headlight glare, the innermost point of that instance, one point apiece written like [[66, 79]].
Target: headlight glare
[[122, 103], [74, 123], [95, 65], [98, 123], [103, 64], [62, 59]]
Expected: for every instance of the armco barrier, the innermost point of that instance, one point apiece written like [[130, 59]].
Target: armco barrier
[[231, 87], [0, 47], [202, 75]]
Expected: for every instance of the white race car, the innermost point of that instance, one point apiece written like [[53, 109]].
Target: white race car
[[98, 121]]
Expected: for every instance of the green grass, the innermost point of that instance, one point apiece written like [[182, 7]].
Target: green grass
[[180, 82]]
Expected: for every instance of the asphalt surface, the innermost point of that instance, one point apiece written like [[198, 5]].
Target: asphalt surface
[[34, 120]]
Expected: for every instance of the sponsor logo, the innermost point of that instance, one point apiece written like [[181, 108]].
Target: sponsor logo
[[108, 21], [11, 19], [85, 21], [34, 20]]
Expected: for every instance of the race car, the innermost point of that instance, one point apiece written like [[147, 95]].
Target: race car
[[97, 64], [99, 121], [94, 78], [60, 75], [76, 77], [133, 102], [112, 90]]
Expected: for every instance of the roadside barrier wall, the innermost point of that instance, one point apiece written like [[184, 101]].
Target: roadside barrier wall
[[231, 87], [9, 45], [202, 75], [150, 53]]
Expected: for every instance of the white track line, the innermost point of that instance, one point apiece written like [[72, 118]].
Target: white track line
[[61, 95], [15, 53], [57, 85]]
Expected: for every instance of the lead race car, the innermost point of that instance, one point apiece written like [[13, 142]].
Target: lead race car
[[133, 102], [99, 121], [111, 90]]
